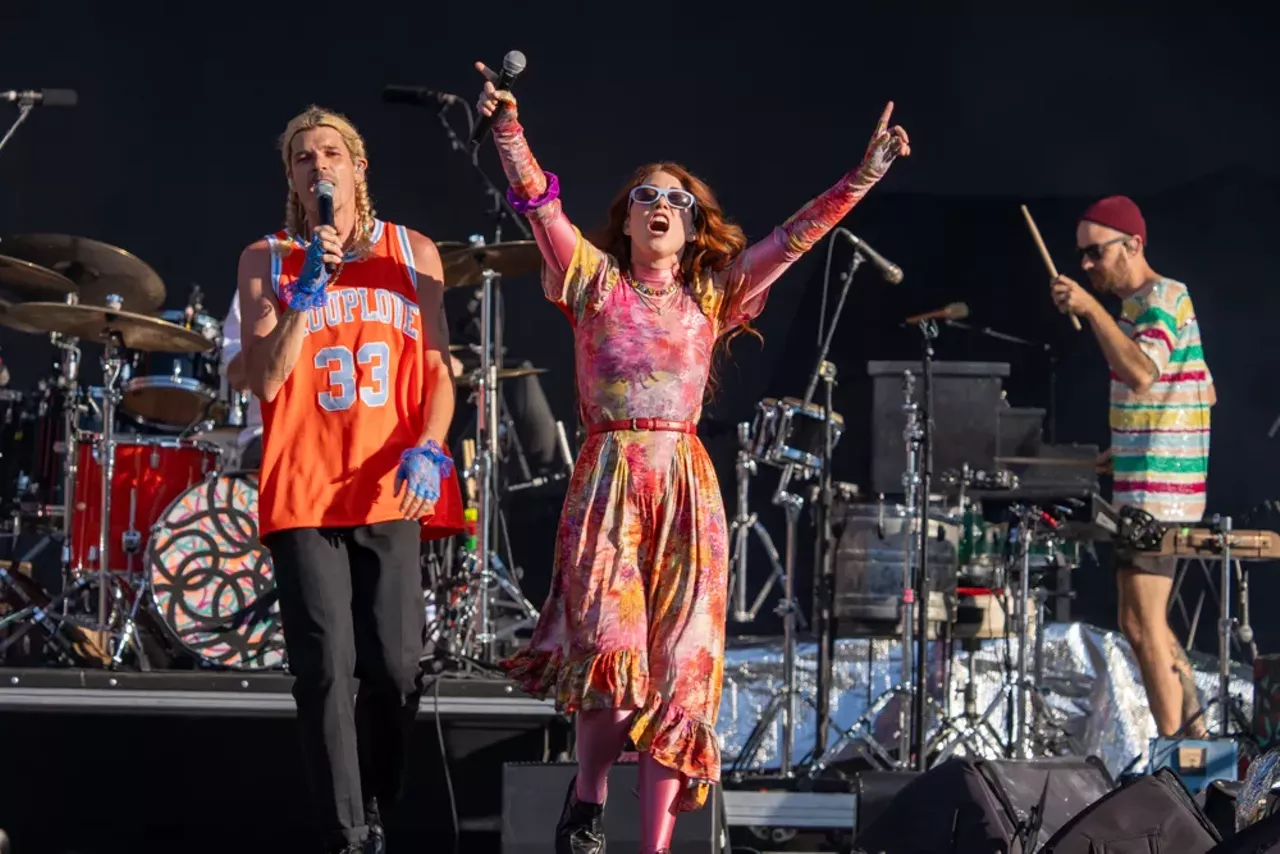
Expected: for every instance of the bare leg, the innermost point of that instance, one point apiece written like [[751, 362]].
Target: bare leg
[[1143, 598], [600, 737], [659, 788], [1190, 696]]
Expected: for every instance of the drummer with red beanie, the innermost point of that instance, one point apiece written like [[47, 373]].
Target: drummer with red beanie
[[1161, 394]]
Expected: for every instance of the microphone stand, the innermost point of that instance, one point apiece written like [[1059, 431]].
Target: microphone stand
[[501, 207], [929, 332], [824, 569], [24, 109], [1050, 354]]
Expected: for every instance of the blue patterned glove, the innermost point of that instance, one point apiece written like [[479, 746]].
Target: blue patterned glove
[[308, 291], [421, 468]]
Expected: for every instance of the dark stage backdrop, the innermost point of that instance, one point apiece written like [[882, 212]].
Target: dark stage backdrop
[[171, 156]]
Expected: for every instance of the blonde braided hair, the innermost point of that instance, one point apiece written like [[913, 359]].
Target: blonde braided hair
[[295, 215]]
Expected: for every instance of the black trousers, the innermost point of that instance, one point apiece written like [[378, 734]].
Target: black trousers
[[352, 610]]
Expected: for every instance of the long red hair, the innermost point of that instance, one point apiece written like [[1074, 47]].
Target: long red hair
[[717, 242]]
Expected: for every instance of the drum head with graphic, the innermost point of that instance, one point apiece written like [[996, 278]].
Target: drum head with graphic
[[210, 578]]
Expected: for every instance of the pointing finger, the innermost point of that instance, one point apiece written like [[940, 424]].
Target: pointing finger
[[884, 118], [484, 69]]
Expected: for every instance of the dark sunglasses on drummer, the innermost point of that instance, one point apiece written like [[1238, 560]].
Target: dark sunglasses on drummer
[[647, 194], [1094, 250]]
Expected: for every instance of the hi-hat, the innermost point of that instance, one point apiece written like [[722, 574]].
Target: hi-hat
[[468, 380], [93, 323], [462, 267], [25, 280], [97, 269]]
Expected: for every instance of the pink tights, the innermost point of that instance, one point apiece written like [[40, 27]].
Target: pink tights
[[601, 735]]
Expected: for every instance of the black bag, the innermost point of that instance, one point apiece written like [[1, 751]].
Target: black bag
[[1150, 815]]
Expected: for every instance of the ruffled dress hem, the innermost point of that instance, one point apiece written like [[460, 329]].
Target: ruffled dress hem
[[619, 680]]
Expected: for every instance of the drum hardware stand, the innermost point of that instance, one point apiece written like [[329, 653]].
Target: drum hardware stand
[[743, 526], [784, 699], [906, 689], [486, 567], [490, 512], [920, 472], [824, 564], [1229, 706]]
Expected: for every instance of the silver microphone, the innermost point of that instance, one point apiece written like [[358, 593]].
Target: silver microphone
[[39, 97], [891, 272]]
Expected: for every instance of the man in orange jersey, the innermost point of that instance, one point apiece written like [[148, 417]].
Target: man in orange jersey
[[347, 349]]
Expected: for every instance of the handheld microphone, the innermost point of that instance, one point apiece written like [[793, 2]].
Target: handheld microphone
[[38, 97], [324, 198], [891, 272], [512, 64], [416, 95]]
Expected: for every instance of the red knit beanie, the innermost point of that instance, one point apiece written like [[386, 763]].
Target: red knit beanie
[[1120, 213]]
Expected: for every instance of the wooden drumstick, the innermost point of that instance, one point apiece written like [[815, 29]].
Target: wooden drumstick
[[1044, 254]]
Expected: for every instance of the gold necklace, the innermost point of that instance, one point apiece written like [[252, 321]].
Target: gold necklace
[[648, 294]]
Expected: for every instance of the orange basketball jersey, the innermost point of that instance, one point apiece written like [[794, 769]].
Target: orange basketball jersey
[[356, 397]]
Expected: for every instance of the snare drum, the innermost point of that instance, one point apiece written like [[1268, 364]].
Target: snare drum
[[211, 580], [786, 432], [150, 473], [176, 389]]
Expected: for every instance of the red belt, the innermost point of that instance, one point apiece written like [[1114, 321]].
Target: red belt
[[642, 424]]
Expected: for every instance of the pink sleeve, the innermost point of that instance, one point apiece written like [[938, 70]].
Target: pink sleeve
[[749, 277], [555, 235]]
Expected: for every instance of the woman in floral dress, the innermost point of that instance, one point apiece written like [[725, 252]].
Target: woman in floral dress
[[631, 637]]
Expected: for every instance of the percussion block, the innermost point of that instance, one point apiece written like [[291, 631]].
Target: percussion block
[[1197, 762]]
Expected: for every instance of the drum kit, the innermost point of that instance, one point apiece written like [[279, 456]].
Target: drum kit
[[958, 559], [135, 480]]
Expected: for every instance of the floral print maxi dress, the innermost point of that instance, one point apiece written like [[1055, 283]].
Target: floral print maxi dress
[[636, 614]]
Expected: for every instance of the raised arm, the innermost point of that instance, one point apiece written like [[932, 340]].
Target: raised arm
[[748, 279], [533, 192]]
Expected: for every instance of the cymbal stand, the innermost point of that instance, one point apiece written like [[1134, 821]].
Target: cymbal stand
[[745, 523], [783, 701], [487, 569]]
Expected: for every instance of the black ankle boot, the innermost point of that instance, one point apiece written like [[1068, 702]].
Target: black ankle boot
[[377, 841], [581, 827]]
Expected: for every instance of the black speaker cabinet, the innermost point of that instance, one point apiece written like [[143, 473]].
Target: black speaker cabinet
[[533, 797]]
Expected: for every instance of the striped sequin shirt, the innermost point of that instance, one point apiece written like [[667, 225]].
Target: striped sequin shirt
[[1160, 437]]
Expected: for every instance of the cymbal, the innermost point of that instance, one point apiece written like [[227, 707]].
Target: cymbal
[[467, 381], [462, 267], [30, 281], [93, 323], [13, 322], [1045, 461], [96, 268]]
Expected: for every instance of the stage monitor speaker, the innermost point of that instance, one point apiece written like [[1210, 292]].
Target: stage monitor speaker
[[1218, 802], [986, 806], [1262, 837], [875, 791], [533, 798], [1152, 815], [966, 402]]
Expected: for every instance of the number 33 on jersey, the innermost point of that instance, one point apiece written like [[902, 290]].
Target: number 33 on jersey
[[356, 396]]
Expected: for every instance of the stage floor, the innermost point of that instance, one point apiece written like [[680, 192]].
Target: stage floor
[[221, 693]]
